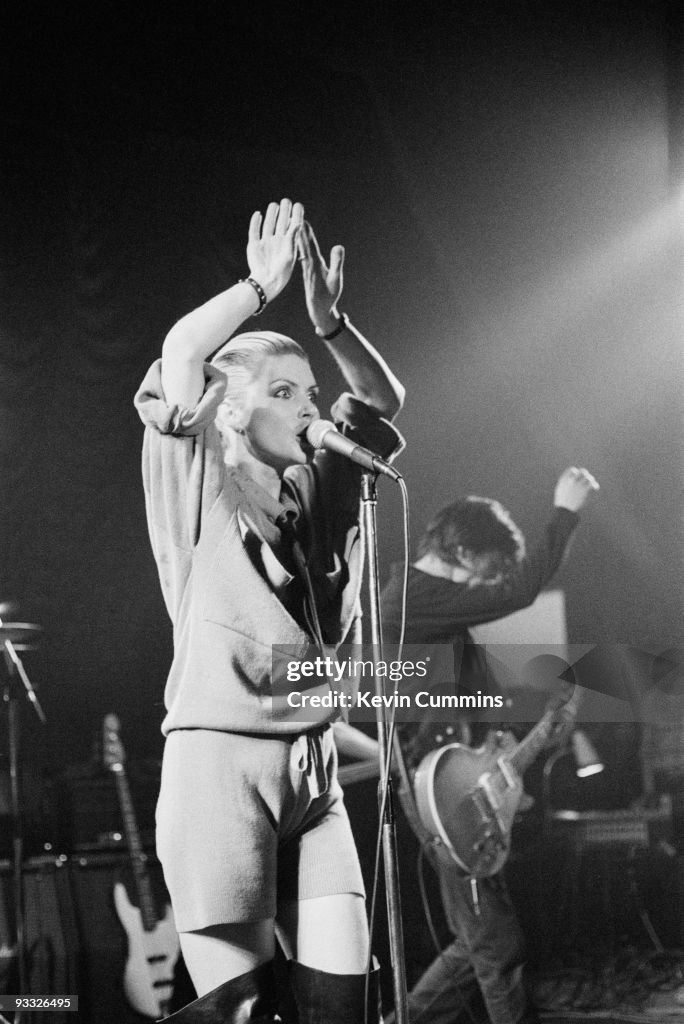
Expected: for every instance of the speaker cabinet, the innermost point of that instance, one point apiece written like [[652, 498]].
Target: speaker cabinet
[[103, 940], [51, 934], [75, 943], [89, 812]]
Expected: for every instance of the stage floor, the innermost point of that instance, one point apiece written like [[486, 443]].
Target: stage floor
[[626, 986]]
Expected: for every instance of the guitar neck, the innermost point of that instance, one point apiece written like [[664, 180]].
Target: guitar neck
[[532, 743], [148, 911]]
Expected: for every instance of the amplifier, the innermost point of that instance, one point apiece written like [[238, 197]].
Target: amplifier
[[51, 937], [39, 827], [89, 810], [74, 939], [636, 827]]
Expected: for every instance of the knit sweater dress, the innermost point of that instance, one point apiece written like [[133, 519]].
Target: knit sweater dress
[[250, 810]]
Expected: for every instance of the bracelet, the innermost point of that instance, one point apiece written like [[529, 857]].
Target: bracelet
[[261, 294], [342, 324]]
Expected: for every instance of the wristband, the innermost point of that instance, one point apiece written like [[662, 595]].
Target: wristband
[[342, 324], [261, 294]]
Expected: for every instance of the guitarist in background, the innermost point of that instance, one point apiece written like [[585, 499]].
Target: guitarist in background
[[473, 568]]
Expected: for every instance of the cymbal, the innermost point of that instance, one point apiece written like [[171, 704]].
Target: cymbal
[[19, 632]]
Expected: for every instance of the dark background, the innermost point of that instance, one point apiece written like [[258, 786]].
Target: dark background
[[507, 179]]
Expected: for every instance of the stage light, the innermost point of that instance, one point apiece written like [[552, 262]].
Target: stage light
[[588, 761]]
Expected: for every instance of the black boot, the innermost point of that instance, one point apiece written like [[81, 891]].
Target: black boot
[[249, 999], [324, 998]]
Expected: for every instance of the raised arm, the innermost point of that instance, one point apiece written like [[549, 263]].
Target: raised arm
[[574, 488], [364, 369], [518, 588], [271, 255], [453, 608]]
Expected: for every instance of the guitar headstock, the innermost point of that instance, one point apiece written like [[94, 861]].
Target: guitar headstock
[[113, 754]]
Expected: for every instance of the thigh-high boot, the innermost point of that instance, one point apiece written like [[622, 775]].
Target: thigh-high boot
[[250, 998], [324, 998]]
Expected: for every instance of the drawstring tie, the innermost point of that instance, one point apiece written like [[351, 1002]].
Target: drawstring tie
[[307, 757]]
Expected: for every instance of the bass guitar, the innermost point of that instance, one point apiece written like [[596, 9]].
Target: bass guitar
[[153, 944], [467, 799]]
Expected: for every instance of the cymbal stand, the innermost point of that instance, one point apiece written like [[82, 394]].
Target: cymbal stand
[[16, 671]]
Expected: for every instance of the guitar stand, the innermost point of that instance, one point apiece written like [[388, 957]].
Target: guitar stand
[[14, 674], [389, 833]]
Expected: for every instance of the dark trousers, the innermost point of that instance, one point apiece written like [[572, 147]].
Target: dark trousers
[[488, 948]]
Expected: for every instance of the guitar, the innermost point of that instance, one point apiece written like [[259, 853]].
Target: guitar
[[153, 944], [467, 799]]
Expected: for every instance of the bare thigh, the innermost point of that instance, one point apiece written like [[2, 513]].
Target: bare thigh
[[224, 951], [328, 933]]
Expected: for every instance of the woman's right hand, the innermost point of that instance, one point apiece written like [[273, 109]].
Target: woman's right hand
[[573, 488], [272, 245]]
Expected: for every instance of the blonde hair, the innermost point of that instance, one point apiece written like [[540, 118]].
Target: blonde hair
[[241, 358]]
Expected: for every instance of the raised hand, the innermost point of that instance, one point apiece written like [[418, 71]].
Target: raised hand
[[322, 281], [573, 488], [272, 245]]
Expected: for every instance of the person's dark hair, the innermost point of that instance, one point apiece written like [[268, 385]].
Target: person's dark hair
[[479, 531]]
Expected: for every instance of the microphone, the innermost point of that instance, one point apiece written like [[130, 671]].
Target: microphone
[[324, 434]]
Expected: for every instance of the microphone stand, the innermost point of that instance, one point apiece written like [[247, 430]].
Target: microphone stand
[[389, 833], [15, 669]]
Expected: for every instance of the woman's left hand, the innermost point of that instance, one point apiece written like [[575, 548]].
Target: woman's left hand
[[322, 281]]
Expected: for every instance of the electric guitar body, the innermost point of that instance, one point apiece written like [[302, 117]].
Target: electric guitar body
[[148, 975], [467, 799]]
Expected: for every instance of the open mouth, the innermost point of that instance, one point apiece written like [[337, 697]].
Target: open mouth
[[307, 448]]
